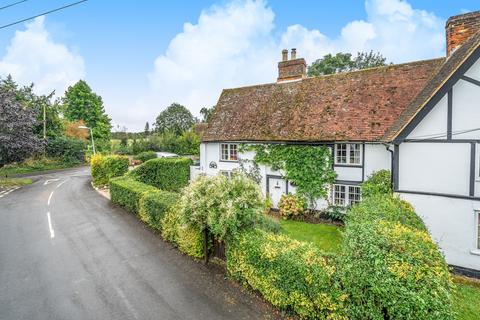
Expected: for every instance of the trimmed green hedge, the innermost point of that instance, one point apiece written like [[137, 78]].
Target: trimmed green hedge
[[378, 182], [170, 174], [127, 192], [390, 267], [292, 275], [154, 205], [146, 155], [103, 168]]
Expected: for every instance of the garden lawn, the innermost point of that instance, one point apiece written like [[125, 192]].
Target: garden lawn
[[326, 237], [467, 298]]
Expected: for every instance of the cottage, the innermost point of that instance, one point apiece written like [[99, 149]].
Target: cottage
[[420, 119]]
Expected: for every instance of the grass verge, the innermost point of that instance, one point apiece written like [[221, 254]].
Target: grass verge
[[326, 237], [9, 182], [35, 165]]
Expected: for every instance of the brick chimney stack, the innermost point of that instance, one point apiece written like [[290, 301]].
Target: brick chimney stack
[[460, 28], [293, 69]]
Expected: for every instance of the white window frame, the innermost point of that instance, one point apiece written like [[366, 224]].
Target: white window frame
[[347, 201], [349, 148], [477, 230], [226, 173], [229, 148]]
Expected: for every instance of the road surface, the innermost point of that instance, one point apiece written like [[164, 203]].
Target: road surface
[[67, 253]]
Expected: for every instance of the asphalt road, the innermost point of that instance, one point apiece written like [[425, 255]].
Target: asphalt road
[[67, 253]]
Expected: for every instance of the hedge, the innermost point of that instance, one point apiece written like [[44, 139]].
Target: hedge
[[127, 192], [390, 267], [146, 155], [292, 275], [188, 239], [103, 168], [68, 149], [154, 205], [378, 182], [170, 174]]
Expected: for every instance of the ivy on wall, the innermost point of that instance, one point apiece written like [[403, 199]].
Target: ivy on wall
[[308, 168]]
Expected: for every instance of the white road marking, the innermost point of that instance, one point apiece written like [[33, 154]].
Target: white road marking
[[52, 232], [50, 198], [49, 180], [61, 183], [127, 303]]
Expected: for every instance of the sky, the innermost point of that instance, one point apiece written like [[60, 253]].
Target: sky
[[141, 56]]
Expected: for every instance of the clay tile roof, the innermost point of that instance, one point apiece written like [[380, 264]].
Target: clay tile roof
[[353, 106], [443, 74]]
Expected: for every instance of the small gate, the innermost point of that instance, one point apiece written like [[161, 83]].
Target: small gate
[[213, 247]]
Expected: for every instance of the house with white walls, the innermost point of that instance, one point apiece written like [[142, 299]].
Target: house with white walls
[[421, 120]]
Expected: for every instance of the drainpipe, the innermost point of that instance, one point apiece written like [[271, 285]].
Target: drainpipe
[[387, 146]]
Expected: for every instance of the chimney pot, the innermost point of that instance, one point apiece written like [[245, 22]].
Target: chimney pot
[[284, 55], [294, 54]]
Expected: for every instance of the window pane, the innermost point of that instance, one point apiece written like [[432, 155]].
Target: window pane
[[341, 156], [233, 152], [478, 230], [353, 194], [339, 195], [224, 151], [355, 153]]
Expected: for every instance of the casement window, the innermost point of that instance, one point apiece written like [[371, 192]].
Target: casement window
[[226, 173], [229, 152], [348, 153], [346, 195]]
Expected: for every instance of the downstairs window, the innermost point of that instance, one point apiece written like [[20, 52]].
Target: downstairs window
[[346, 195]]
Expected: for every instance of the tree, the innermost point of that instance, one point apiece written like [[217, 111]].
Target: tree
[[343, 62], [81, 103], [72, 130], [207, 113], [18, 140], [147, 129], [176, 118]]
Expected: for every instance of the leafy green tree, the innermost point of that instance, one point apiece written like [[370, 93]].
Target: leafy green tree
[[176, 118], [344, 62], [147, 129], [18, 140], [207, 113], [81, 103]]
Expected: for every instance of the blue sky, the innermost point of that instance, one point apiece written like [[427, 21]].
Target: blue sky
[[140, 56]]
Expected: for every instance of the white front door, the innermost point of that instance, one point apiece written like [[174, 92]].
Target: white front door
[[276, 188]]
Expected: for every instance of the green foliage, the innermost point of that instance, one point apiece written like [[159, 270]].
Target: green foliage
[[127, 192], [336, 213], [378, 182], [81, 103], [267, 223], [385, 208], [223, 206], [154, 205], [292, 205], [176, 119], [390, 266], [103, 168], [69, 150], [207, 113], [343, 62], [292, 275], [34, 165], [146, 155], [170, 174], [188, 239], [309, 168]]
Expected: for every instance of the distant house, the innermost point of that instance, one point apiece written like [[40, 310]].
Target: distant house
[[419, 119]]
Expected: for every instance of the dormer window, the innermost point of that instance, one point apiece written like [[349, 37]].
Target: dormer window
[[348, 154], [228, 152]]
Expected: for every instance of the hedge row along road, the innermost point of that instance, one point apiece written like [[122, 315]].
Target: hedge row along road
[[67, 253]]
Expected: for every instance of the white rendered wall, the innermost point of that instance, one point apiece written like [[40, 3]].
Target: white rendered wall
[[451, 223], [434, 124], [466, 110], [435, 167], [377, 157], [474, 71]]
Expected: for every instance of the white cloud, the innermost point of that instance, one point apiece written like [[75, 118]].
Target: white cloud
[[237, 44], [32, 56]]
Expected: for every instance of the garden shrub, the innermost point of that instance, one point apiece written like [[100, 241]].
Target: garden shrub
[[170, 174], [104, 168], [224, 206], [146, 155], [385, 207], [68, 149], [292, 205], [154, 205], [336, 213], [188, 239], [267, 223], [378, 182], [127, 192], [292, 275], [392, 271]]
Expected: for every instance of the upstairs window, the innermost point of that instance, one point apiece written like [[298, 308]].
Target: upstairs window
[[478, 229], [348, 153], [229, 152], [345, 195]]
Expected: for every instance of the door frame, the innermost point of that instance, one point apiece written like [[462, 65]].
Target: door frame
[[272, 176]]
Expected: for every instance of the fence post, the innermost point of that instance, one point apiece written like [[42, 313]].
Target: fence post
[[205, 245]]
